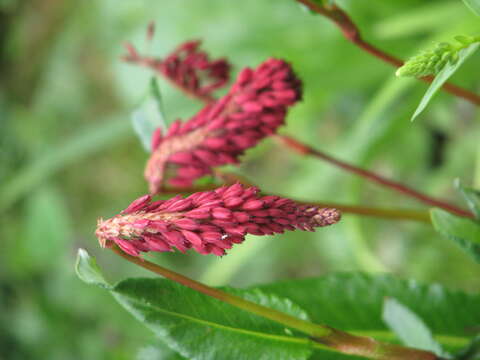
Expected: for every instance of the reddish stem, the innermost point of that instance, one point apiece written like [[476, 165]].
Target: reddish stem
[[307, 150], [352, 34], [336, 339]]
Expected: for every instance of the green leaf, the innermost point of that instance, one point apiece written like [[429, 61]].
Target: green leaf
[[149, 115], [47, 230], [87, 270], [158, 352], [409, 327], [87, 142], [463, 231], [473, 5], [200, 327], [471, 351], [354, 302], [448, 70], [471, 196]]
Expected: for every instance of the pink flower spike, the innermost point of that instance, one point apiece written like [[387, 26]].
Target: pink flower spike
[[221, 132], [207, 221]]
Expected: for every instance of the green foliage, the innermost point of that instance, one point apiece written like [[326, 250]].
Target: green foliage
[[47, 229], [199, 327], [409, 327], [463, 231], [471, 351], [471, 196], [448, 70], [354, 302], [473, 5], [81, 145], [88, 271], [149, 115]]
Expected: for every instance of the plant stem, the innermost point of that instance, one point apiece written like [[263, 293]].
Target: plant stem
[[396, 186], [352, 34], [322, 334], [301, 325]]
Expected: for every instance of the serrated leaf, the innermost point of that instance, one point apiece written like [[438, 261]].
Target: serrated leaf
[[409, 327], [353, 302], [471, 196], [448, 70], [473, 5], [463, 231], [149, 115], [88, 271], [200, 327]]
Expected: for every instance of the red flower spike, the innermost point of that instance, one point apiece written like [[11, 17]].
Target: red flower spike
[[209, 222], [221, 132], [187, 67]]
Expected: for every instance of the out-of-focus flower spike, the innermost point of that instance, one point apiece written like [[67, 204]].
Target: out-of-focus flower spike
[[221, 132], [187, 66]]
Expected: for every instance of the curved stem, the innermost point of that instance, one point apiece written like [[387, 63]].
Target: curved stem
[[352, 34], [396, 186], [336, 339]]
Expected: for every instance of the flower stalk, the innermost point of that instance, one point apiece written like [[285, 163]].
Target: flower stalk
[[352, 33], [320, 334], [393, 185]]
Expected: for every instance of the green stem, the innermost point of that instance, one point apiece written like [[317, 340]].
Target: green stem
[[322, 334]]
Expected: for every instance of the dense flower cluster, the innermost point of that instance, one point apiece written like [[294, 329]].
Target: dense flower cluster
[[254, 108], [209, 222], [188, 68]]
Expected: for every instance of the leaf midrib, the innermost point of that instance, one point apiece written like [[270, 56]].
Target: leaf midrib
[[378, 334], [286, 339]]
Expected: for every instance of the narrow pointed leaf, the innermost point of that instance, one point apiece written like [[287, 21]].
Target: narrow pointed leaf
[[443, 76], [149, 115], [463, 231], [409, 327], [87, 270], [473, 5], [471, 196]]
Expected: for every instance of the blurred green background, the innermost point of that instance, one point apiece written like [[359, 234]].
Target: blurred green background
[[68, 154]]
